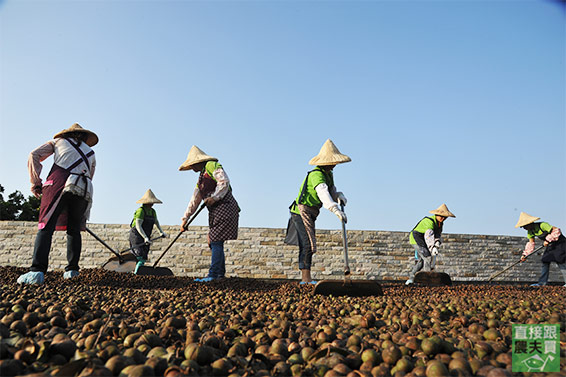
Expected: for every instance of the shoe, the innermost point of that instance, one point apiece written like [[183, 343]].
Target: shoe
[[537, 285], [70, 274], [313, 282], [32, 277], [205, 280], [409, 282]]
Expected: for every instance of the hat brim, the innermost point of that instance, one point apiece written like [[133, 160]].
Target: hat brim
[[157, 201], [188, 165], [335, 160], [443, 214], [91, 140], [524, 223]]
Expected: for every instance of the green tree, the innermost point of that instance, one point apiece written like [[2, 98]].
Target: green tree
[[30, 209], [17, 207]]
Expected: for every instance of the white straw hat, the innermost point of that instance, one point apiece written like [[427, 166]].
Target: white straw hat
[[329, 155], [149, 198], [195, 156], [442, 211], [91, 140], [525, 219]]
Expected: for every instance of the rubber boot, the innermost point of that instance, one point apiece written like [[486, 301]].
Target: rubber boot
[[140, 263]]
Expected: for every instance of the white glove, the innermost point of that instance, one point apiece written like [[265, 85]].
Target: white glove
[[341, 215], [436, 243], [163, 234], [434, 251], [147, 241], [342, 199]]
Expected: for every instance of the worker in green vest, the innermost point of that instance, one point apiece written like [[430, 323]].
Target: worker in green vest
[[318, 190], [214, 189], [425, 237], [552, 239], [141, 227]]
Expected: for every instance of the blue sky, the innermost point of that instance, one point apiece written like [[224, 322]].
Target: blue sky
[[456, 102]]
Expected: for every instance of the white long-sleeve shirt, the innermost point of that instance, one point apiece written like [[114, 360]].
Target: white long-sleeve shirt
[[64, 155], [328, 197]]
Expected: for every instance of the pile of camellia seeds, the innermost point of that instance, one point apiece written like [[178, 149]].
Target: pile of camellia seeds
[[104, 323]]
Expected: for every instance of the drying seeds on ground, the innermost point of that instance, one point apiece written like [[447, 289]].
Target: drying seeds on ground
[[104, 323]]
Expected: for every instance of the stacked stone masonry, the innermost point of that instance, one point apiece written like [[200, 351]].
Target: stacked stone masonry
[[261, 253]]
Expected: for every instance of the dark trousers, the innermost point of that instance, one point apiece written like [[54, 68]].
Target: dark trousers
[[305, 249], [76, 207]]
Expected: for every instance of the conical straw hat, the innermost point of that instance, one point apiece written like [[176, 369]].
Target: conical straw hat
[[149, 198], [91, 140], [442, 211], [525, 219], [329, 155], [195, 156]]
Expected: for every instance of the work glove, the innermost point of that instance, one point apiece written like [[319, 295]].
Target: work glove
[[341, 215], [342, 199], [37, 190], [163, 234], [434, 251], [147, 240], [209, 201]]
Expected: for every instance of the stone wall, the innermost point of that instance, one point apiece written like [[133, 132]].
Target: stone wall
[[261, 253]]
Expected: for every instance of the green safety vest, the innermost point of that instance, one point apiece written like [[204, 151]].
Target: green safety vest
[[421, 228], [540, 230], [307, 193]]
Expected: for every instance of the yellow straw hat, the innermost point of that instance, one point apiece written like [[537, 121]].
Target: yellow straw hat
[[149, 198], [91, 140], [329, 155], [525, 219], [442, 211], [195, 156]]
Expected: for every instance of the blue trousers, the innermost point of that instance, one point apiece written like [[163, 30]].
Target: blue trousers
[[217, 262]]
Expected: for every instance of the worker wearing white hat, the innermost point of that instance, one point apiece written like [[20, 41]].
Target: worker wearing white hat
[[425, 237], [318, 190], [552, 239], [141, 227]]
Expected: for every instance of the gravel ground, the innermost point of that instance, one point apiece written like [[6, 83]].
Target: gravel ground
[[105, 323]]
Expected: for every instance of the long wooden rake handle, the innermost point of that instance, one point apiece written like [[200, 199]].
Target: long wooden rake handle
[[345, 242], [105, 244], [514, 264], [179, 235]]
